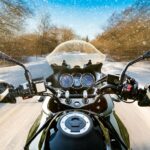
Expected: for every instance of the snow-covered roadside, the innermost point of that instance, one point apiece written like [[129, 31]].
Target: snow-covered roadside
[[15, 74], [140, 71]]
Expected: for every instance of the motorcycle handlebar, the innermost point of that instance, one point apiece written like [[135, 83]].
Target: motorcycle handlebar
[[141, 95], [106, 89], [21, 93], [51, 89]]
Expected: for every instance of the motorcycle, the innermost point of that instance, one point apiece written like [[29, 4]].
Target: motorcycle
[[78, 100]]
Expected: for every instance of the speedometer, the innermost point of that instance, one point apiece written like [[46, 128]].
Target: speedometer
[[66, 80], [87, 80]]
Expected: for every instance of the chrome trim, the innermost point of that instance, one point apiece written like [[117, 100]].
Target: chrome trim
[[4, 94], [45, 104]]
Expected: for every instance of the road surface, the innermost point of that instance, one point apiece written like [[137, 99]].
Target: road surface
[[16, 119]]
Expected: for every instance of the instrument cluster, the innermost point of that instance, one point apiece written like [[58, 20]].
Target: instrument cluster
[[76, 80]]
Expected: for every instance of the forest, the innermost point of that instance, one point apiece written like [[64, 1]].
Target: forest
[[16, 43], [126, 35]]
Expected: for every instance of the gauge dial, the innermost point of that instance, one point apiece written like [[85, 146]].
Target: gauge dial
[[77, 80], [66, 80], [87, 80]]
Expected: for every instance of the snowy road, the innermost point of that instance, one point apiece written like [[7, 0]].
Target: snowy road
[[16, 119]]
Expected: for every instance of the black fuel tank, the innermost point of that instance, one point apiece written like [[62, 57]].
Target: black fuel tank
[[76, 131]]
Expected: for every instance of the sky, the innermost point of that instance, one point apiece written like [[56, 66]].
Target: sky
[[85, 17]]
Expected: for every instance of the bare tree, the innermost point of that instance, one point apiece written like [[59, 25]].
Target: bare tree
[[43, 32], [12, 13], [66, 34], [49, 36]]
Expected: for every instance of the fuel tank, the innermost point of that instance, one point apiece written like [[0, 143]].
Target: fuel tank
[[76, 131]]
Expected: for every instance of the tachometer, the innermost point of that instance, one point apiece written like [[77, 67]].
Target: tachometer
[[66, 80], [87, 80]]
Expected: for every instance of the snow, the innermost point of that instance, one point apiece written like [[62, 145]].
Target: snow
[[15, 74]]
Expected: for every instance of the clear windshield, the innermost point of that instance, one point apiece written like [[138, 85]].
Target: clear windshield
[[75, 52]]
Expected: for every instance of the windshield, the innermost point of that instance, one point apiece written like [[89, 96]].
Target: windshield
[[75, 52]]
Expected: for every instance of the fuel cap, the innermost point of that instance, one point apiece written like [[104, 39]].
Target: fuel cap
[[75, 123]]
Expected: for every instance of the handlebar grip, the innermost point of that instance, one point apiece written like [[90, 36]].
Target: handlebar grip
[[20, 93]]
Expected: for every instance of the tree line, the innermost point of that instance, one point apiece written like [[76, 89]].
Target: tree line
[[127, 34], [47, 36]]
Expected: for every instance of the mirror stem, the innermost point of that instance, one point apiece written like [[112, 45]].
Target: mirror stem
[[127, 66], [28, 77]]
